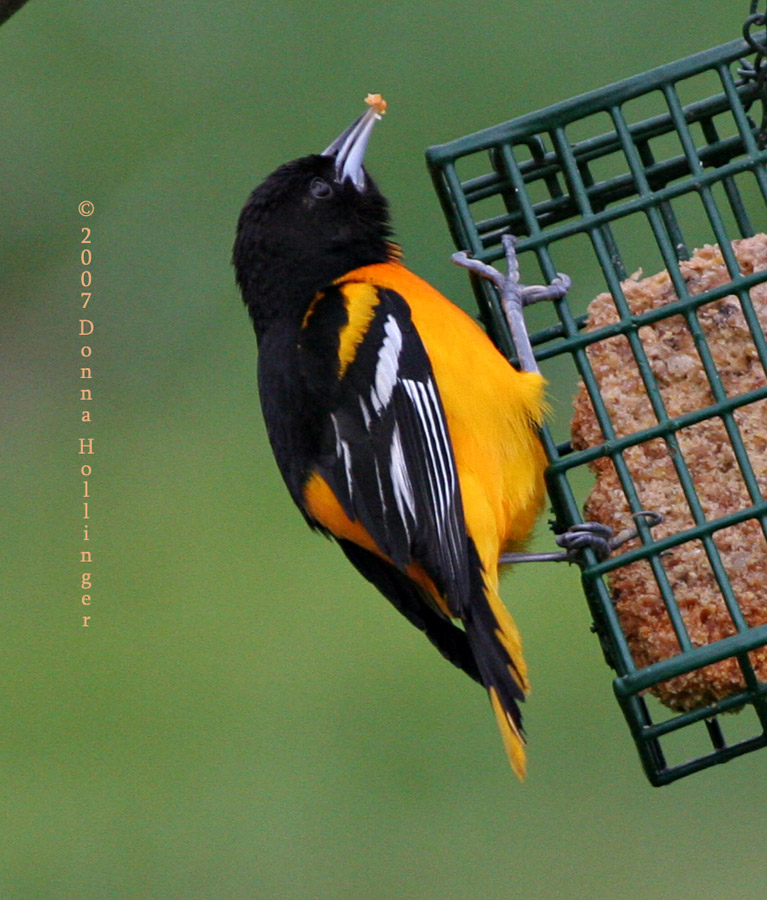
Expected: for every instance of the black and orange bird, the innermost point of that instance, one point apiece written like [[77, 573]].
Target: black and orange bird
[[399, 428]]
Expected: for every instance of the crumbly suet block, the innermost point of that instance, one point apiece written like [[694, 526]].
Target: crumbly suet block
[[706, 448]]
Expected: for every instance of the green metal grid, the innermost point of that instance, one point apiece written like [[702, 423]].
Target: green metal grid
[[613, 178]]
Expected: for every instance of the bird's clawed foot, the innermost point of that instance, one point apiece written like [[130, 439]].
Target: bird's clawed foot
[[515, 296], [586, 535]]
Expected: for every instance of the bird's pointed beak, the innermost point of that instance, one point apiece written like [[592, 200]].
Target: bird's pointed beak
[[348, 149]]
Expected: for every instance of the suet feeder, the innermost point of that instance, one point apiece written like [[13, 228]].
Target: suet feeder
[[636, 176]]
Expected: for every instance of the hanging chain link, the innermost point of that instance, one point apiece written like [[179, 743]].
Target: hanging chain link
[[757, 70]]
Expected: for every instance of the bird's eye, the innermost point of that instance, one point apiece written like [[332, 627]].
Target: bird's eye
[[320, 189]]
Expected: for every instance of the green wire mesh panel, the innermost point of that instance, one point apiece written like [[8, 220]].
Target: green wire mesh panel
[[635, 176]]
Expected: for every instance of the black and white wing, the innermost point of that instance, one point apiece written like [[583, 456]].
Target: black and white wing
[[388, 456]]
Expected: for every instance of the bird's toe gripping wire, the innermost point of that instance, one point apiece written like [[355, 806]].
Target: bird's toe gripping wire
[[515, 296], [587, 535]]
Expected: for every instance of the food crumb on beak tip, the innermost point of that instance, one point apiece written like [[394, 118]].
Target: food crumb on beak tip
[[377, 103]]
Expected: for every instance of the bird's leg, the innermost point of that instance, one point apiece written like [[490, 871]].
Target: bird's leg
[[515, 296], [599, 538]]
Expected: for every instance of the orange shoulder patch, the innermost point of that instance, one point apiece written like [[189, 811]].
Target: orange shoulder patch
[[361, 301]]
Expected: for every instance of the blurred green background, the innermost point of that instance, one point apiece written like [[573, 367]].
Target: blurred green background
[[245, 717]]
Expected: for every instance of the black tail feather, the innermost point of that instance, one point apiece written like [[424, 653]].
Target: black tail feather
[[495, 643], [411, 601]]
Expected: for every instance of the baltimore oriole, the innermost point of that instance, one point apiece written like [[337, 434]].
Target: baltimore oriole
[[399, 428]]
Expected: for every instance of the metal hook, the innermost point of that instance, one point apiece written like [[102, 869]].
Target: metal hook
[[757, 71]]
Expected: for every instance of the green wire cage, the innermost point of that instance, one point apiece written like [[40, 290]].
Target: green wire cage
[[620, 178]]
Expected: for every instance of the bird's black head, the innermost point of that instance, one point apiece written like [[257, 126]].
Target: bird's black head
[[307, 224]]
